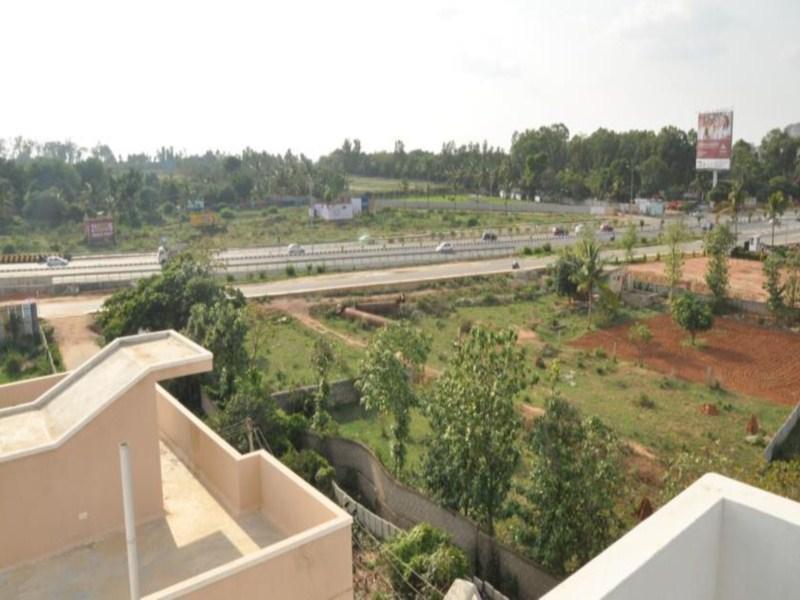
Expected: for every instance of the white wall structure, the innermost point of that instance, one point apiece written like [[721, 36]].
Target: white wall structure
[[336, 211], [718, 539]]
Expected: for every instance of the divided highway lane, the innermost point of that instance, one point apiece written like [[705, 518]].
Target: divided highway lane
[[88, 271], [66, 306]]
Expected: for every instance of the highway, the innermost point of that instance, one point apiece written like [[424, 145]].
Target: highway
[[95, 272], [83, 304]]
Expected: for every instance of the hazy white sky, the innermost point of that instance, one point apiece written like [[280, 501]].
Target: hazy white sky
[[305, 74]]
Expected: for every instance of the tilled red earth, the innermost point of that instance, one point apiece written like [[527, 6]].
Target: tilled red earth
[[752, 360]]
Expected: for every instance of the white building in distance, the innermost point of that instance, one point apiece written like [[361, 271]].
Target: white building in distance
[[337, 211]]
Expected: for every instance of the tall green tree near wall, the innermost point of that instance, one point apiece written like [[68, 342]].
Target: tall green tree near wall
[[474, 446], [776, 205], [395, 353], [718, 244], [574, 486], [674, 237]]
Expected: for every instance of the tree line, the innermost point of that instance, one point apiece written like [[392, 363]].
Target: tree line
[[53, 182], [606, 164]]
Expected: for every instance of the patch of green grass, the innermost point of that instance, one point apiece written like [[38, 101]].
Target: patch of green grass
[[288, 350], [373, 430]]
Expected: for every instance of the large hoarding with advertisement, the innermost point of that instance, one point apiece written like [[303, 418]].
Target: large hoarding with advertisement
[[714, 140], [99, 229]]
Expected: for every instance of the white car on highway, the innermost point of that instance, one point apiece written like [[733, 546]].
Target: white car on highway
[[56, 261], [366, 240], [295, 250], [445, 248]]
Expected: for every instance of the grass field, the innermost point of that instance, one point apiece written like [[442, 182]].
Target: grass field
[[660, 412], [379, 185], [286, 347]]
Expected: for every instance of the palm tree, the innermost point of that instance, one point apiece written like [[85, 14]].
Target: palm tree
[[589, 272], [735, 203], [776, 204]]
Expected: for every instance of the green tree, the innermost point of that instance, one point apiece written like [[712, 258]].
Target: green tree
[[222, 329], [322, 359], [589, 272], [773, 285], [474, 448], [691, 313], [674, 237], [629, 239], [776, 205], [734, 207], [395, 353], [718, 244], [164, 301], [574, 487], [640, 336], [251, 407], [563, 272]]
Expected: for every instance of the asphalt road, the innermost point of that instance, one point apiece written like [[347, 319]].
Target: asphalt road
[[65, 306]]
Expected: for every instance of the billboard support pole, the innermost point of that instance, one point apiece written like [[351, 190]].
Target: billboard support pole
[[714, 179]]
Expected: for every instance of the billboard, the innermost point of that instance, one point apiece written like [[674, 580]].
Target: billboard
[[99, 229], [714, 140]]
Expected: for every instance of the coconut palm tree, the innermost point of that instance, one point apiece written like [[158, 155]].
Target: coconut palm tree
[[589, 271], [735, 203], [776, 204]]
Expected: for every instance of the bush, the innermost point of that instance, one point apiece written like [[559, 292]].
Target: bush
[[312, 467], [644, 401], [527, 251], [8, 249], [13, 364], [424, 552], [472, 222], [227, 214], [290, 271], [546, 247], [320, 269]]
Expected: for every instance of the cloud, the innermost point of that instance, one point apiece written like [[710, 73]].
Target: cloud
[[490, 68], [675, 29]]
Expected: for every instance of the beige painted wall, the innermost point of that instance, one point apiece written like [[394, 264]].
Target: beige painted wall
[[28, 390], [72, 494], [318, 570], [232, 478]]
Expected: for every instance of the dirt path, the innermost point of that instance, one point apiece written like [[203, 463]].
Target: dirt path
[[76, 341], [299, 308]]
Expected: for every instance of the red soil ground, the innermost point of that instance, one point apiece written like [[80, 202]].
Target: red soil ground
[[746, 276], [745, 358]]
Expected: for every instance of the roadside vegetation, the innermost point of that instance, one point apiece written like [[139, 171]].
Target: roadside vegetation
[[25, 357]]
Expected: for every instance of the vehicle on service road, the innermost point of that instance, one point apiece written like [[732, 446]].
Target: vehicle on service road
[[56, 261], [558, 230], [489, 236], [607, 227], [579, 228], [162, 255], [366, 240], [295, 250], [445, 248]]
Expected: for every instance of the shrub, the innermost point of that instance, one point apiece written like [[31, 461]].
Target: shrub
[[424, 552], [312, 467], [8, 249], [321, 268], [644, 401], [13, 364], [227, 214], [290, 271], [547, 247], [472, 222], [527, 251]]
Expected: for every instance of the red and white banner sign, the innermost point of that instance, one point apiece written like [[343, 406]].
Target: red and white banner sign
[[714, 140]]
